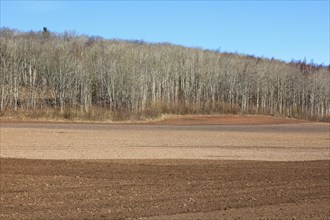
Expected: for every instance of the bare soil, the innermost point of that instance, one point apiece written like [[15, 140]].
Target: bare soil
[[163, 189], [226, 120], [270, 141], [193, 167]]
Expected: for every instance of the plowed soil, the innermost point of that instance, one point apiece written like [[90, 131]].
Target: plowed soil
[[163, 189], [226, 120], [183, 168]]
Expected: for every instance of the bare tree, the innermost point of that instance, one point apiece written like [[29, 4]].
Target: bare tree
[[66, 71]]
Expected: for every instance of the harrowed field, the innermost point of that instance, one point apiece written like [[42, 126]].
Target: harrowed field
[[182, 168]]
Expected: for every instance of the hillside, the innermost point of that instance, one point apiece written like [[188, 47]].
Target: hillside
[[50, 75]]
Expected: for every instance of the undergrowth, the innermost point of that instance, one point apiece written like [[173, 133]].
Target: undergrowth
[[151, 113]]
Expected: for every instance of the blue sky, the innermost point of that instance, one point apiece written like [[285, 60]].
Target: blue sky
[[284, 30]]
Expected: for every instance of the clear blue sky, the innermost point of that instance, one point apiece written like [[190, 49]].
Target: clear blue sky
[[281, 29]]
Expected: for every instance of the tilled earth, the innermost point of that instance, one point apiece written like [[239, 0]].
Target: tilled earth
[[160, 189], [204, 167], [269, 142]]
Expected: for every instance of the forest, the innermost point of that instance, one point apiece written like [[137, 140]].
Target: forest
[[65, 75]]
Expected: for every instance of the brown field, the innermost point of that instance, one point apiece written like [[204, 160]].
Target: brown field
[[194, 167]]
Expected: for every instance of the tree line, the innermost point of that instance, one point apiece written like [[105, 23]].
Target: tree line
[[44, 70]]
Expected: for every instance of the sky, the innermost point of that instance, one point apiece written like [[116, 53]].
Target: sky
[[285, 30]]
